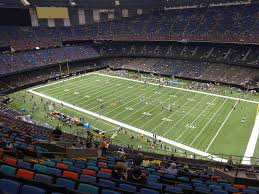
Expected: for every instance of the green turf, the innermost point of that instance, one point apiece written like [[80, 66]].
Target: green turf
[[194, 119]]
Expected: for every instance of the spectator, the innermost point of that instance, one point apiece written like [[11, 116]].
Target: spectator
[[135, 176], [118, 171], [229, 165], [137, 161], [184, 171], [57, 133], [145, 162], [103, 146], [172, 169]]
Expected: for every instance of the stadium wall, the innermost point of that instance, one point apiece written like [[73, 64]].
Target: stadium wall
[[14, 17]]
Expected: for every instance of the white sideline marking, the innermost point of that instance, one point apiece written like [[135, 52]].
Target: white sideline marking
[[62, 80], [182, 146], [218, 95], [252, 141], [221, 126]]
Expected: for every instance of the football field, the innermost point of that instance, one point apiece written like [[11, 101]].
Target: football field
[[199, 122]]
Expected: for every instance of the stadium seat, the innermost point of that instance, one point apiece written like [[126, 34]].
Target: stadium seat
[[9, 186], [54, 171], [23, 164], [72, 175], [106, 191], [74, 169], [148, 191], [87, 178], [202, 190], [27, 174], [40, 168], [109, 171], [8, 169], [103, 174], [173, 189], [247, 191], [27, 189], [89, 172], [11, 161], [154, 185], [49, 163], [128, 188], [93, 168], [107, 183], [66, 183], [88, 188], [219, 192], [62, 166], [253, 188], [43, 178]]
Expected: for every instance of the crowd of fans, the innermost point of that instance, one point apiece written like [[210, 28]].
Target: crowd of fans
[[237, 23], [215, 72], [21, 61]]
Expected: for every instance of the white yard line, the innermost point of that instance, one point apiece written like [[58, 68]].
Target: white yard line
[[221, 126], [59, 89], [218, 95], [201, 113], [150, 110], [182, 105], [161, 112], [79, 86], [208, 122], [84, 88], [187, 148], [128, 102], [184, 116], [143, 106], [252, 141], [108, 89]]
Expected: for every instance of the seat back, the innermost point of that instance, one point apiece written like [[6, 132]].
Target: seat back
[[10, 161], [43, 178], [69, 174], [27, 174], [87, 171], [9, 186], [23, 164], [69, 184], [88, 188], [7, 169], [107, 191], [54, 171], [127, 187], [87, 178], [62, 166], [148, 191], [40, 168], [103, 174], [27, 189], [107, 183]]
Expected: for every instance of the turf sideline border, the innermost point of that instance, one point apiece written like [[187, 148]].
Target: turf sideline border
[[182, 146], [195, 91], [252, 141]]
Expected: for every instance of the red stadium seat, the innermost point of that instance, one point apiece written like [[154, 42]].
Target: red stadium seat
[[106, 170], [11, 161], [69, 174], [27, 174], [62, 166], [89, 172]]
